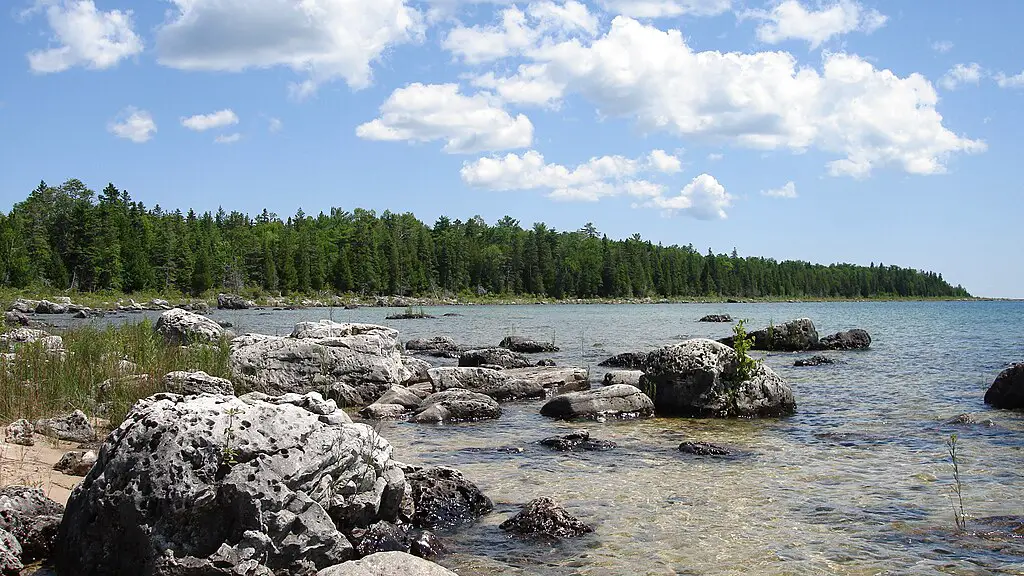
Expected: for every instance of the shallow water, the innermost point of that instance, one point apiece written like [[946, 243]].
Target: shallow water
[[857, 482]]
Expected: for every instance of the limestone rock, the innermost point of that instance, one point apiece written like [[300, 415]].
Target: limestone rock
[[76, 462], [20, 432], [10, 555], [30, 517], [456, 405], [19, 337], [73, 427], [631, 377], [497, 384], [616, 401], [387, 564], [181, 328], [439, 346], [198, 382]]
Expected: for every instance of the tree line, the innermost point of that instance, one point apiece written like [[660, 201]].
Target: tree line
[[68, 237]]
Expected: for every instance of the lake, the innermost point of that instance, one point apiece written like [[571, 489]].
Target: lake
[[857, 482]]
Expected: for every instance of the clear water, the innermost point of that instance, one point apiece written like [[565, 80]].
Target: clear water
[[857, 482]]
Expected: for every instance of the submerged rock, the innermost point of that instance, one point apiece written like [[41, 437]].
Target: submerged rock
[[630, 360], [700, 378], [855, 339], [444, 498], [793, 336], [199, 382], [578, 440], [32, 518], [616, 401], [387, 564], [703, 449], [494, 356], [181, 328], [814, 361], [542, 517], [526, 345], [1007, 391], [20, 432], [969, 420], [716, 318], [73, 427], [456, 405]]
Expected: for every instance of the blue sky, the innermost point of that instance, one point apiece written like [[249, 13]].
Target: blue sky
[[831, 131]]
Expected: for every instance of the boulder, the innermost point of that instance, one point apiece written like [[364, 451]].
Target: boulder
[[703, 449], [814, 361], [631, 377], [495, 357], [576, 441], [76, 462], [701, 378], [383, 536], [377, 411], [73, 427], [20, 432], [387, 564], [456, 405], [415, 370], [10, 554], [546, 362], [354, 363], [526, 345], [232, 302], [628, 360], [439, 346], [19, 337], [793, 336], [47, 307], [222, 485], [554, 380], [620, 401], [406, 397], [198, 382], [716, 318], [32, 518], [494, 383], [1007, 391], [542, 517], [443, 498], [181, 328], [24, 306], [970, 420], [15, 318], [855, 339]]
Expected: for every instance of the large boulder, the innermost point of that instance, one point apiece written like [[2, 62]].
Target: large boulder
[[32, 518], [222, 485], [73, 427], [20, 337], [527, 345], [793, 336], [543, 517], [444, 498], [494, 357], [855, 339], [1007, 391], [494, 383], [387, 564], [47, 307], [627, 360], [232, 302], [616, 401], [438, 346], [15, 318], [456, 405], [354, 363], [198, 382], [702, 378], [181, 328]]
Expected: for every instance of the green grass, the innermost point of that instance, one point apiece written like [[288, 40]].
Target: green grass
[[38, 383]]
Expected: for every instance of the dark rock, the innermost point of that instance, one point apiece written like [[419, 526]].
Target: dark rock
[[703, 449], [526, 345], [814, 361], [546, 362], [15, 318], [32, 518], [10, 554], [409, 316], [969, 420], [617, 401], [701, 378], [451, 315], [232, 302], [383, 537], [387, 564], [225, 324], [794, 336], [631, 377], [199, 382], [628, 360], [855, 339], [20, 432], [716, 318], [456, 405], [81, 315], [76, 462], [496, 449], [578, 440], [1007, 391], [438, 346], [73, 427], [494, 356], [426, 544], [444, 498], [542, 517]]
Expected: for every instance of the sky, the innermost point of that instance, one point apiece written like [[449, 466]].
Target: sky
[[820, 130]]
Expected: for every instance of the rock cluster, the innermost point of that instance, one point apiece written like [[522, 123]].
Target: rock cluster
[[716, 318], [800, 335], [526, 345]]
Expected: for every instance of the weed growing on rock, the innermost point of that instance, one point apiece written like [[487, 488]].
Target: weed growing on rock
[[229, 454], [956, 497], [742, 343]]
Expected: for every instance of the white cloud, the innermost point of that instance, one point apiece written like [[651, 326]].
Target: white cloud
[[531, 85], [788, 190], [86, 37], [1004, 81], [228, 138], [664, 162], [133, 124], [790, 20], [703, 198], [667, 8], [765, 100], [322, 39], [715, 156], [961, 74], [202, 122], [274, 125], [942, 46], [467, 124]]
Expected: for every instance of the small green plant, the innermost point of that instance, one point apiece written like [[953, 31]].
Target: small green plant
[[956, 497], [742, 343], [771, 335], [229, 454]]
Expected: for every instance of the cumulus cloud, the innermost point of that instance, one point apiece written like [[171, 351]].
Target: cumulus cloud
[[133, 124], [765, 100], [664, 162], [203, 122], [703, 198], [85, 37], [467, 124], [322, 39], [1015, 81], [227, 138], [788, 190], [667, 8], [961, 74], [790, 20]]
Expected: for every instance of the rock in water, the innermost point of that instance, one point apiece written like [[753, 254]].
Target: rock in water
[[20, 432], [616, 401], [444, 498], [793, 336], [32, 518], [24, 306], [47, 307], [1007, 391], [439, 346], [578, 440], [716, 318], [703, 449], [628, 360], [194, 383], [456, 405], [219, 485], [73, 427], [526, 345], [10, 554], [232, 302], [415, 370], [814, 361], [542, 517], [494, 383], [631, 377], [495, 357], [855, 339], [699, 377], [356, 362], [387, 564], [181, 328]]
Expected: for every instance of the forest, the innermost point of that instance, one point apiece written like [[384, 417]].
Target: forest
[[69, 237]]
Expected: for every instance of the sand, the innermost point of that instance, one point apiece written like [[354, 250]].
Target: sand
[[33, 466]]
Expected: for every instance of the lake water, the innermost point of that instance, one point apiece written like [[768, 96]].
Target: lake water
[[857, 482]]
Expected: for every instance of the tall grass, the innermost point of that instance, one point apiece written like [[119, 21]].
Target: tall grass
[[37, 383]]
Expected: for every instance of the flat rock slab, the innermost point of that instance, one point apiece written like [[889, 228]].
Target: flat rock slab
[[631, 377]]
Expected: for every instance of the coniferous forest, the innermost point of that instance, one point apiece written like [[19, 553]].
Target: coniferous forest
[[68, 237]]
